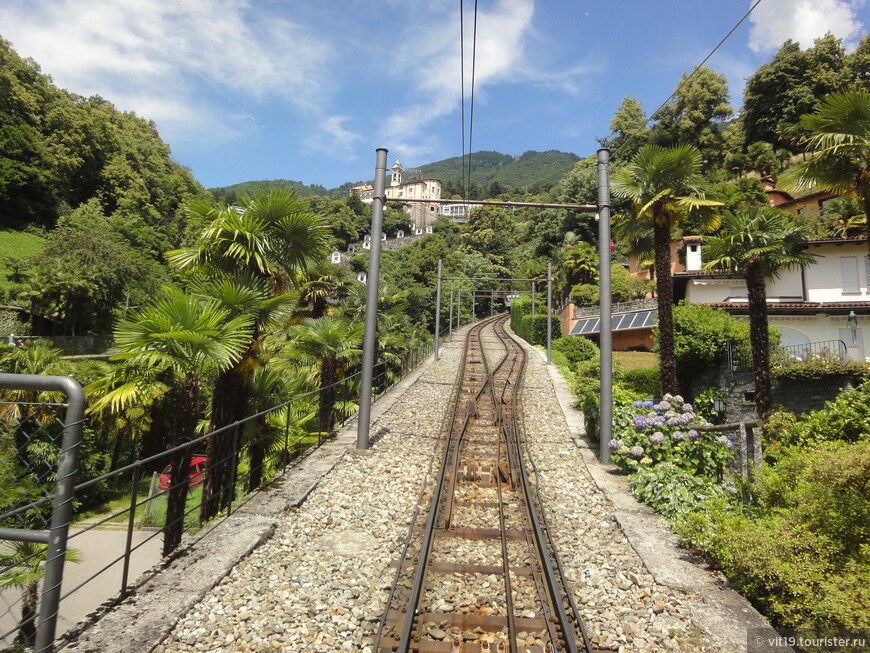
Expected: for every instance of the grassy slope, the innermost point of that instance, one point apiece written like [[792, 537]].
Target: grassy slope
[[18, 244]]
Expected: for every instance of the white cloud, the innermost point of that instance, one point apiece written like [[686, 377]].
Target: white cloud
[[333, 138], [803, 21], [429, 57], [151, 56]]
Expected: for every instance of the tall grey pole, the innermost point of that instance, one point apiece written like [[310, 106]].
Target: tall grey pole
[[473, 299], [549, 310], [438, 311], [606, 339], [371, 324], [450, 321], [533, 302], [491, 301], [458, 308]]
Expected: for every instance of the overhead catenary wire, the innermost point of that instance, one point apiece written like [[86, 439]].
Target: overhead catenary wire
[[462, 186], [684, 81], [471, 112]]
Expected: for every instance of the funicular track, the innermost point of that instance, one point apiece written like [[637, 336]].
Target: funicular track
[[479, 574]]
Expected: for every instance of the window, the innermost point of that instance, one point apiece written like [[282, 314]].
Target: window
[[693, 248], [849, 274]]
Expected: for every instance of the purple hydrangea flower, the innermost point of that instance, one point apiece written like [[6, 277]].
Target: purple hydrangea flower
[[636, 451], [677, 435], [674, 422], [637, 404], [668, 397], [688, 408], [662, 406], [657, 437], [647, 404], [678, 399], [686, 419], [723, 440], [639, 422], [613, 444], [693, 434], [659, 420]]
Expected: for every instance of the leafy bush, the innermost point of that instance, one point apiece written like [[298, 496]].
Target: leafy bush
[[622, 412], [645, 381], [803, 553], [817, 367], [585, 294], [672, 491], [576, 348], [705, 403], [846, 419], [666, 432], [701, 337]]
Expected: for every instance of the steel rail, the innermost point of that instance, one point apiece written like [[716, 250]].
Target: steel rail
[[428, 537], [447, 426], [540, 541]]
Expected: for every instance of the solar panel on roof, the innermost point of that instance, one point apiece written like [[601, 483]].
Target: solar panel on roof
[[619, 322]]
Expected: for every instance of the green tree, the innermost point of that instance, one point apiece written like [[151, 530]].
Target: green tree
[[181, 339], [839, 135], [758, 244], [330, 347], [272, 240], [628, 130], [694, 116], [664, 186], [788, 86]]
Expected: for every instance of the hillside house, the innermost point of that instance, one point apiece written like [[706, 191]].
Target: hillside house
[[422, 214]]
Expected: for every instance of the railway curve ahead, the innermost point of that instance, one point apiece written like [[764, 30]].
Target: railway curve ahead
[[478, 572]]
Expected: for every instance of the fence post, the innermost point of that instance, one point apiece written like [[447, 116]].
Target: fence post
[[131, 522], [235, 469]]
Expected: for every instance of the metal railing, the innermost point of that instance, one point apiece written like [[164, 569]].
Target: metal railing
[[55, 539], [619, 307], [263, 447], [739, 357]]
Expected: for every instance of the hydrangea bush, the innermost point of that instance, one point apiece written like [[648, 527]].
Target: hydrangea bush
[[667, 431]]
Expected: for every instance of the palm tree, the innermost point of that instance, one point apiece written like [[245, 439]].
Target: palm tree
[[330, 346], [242, 294], [757, 243], [665, 187], [320, 284], [839, 136], [272, 239], [179, 338], [579, 265]]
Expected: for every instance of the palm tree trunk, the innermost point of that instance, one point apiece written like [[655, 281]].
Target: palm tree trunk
[[27, 628], [263, 438], [758, 336], [665, 298], [186, 411], [230, 399]]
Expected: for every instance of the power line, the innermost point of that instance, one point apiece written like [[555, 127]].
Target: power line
[[471, 116], [462, 186], [684, 81]]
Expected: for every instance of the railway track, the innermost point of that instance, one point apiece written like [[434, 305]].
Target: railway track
[[477, 571]]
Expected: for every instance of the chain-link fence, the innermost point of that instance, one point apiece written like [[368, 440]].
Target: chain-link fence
[[158, 499]]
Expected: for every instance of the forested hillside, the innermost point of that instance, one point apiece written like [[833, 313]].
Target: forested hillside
[[231, 193], [99, 185]]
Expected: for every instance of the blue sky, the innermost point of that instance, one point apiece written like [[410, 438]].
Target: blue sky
[[307, 89]]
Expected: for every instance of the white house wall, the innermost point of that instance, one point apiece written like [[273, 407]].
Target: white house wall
[[825, 276]]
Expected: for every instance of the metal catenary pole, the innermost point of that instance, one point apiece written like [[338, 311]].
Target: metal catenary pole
[[371, 322], [533, 302], [438, 311], [450, 321], [606, 336], [458, 307], [549, 310]]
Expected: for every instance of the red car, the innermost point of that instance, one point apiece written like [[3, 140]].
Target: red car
[[197, 473]]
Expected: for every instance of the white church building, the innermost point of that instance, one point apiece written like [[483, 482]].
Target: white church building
[[422, 214]]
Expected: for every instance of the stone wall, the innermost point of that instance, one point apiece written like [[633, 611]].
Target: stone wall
[[796, 396]]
